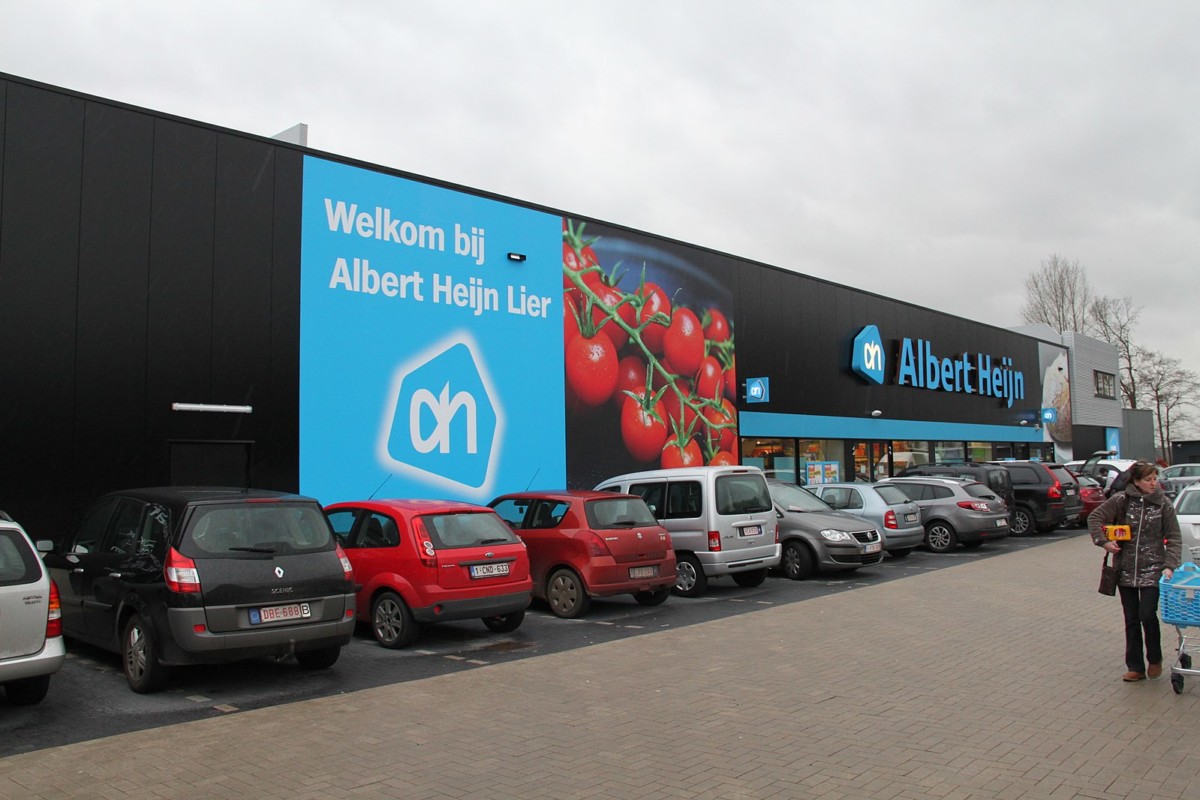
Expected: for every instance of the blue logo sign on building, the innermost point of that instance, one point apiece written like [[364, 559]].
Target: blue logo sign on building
[[867, 359], [1049, 416], [758, 390]]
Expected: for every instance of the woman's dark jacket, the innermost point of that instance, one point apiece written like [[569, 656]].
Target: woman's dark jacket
[[1156, 543]]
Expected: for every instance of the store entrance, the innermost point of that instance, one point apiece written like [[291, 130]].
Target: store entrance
[[870, 460]]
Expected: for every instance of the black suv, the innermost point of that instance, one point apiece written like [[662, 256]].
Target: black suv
[[188, 575], [993, 476], [1047, 496]]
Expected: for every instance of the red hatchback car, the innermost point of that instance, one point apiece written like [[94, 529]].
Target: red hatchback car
[[421, 561], [585, 544]]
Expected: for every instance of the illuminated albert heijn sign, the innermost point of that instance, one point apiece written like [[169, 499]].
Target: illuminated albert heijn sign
[[921, 367]]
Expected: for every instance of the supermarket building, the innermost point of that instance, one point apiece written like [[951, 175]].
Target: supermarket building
[[185, 303]]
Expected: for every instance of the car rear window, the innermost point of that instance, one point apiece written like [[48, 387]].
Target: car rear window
[[980, 491], [466, 529], [1189, 503], [742, 494], [891, 495], [252, 529], [619, 512], [18, 561], [1063, 474]]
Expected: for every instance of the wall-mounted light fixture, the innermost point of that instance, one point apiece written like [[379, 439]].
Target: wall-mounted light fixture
[[516, 256], [877, 413], [1024, 422], [224, 409]]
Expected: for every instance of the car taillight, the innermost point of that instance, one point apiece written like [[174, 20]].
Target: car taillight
[[714, 541], [597, 547], [347, 568], [973, 505], [180, 572], [54, 618], [1055, 490], [889, 520], [425, 548]]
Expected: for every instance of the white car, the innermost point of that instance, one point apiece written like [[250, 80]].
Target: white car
[[1104, 470], [31, 648], [1187, 508]]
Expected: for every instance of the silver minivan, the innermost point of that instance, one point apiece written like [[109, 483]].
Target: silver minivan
[[721, 521], [31, 643]]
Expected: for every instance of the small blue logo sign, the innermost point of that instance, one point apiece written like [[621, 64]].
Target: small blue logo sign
[[758, 390], [443, 420], [1049, 416], [867, 358]]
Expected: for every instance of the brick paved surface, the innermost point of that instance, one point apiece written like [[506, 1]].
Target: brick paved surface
[[994, 679]]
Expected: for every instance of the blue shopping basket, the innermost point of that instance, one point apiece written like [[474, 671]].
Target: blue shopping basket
[[1179, 598]]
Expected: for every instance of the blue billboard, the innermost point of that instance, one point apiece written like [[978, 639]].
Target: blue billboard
[[431, 346]]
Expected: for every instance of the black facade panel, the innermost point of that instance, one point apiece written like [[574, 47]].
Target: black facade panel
[[39, 228], [181, 309], [110, 373], [276, 459]]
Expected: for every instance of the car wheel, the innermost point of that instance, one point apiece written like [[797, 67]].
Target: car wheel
[[391, 622], [566, 594], [654, 597], [321, 658], [940, 537], [504, 623], [798, 563], [1022, 521], [902, 553], [750, 579], [27, 691], [690, 580], [139, 657]]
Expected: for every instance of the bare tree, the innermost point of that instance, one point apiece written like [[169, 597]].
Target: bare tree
[[1169, 390], [1058, 295], [1113, 321]]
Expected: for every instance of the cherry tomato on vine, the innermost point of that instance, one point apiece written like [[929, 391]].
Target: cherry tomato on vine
[[710, 379], [676, 454], [683, 343], [615, 299], [643, 429], [680, 411], [579, 260], [716, 326], [631, 377], [591, 368], [731, 384], [656, 301], [722, 457], [723, 438]]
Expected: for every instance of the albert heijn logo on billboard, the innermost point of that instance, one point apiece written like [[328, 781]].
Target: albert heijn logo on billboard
[[921, 366]]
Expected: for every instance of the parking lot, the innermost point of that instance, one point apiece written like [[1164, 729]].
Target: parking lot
[[996, 678], [89, 698]]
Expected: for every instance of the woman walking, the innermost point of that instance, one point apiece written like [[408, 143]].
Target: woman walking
[[1154, 549]]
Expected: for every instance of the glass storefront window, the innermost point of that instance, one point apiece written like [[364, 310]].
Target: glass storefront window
[[948, 452], [905, 454], [776, 457], [980, 452]]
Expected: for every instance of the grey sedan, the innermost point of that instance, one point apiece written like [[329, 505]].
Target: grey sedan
[[815, 537], [955, 511], [884, 506]]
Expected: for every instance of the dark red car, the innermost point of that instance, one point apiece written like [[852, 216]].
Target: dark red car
[[1091, 492], [585, 544], [422, 561]]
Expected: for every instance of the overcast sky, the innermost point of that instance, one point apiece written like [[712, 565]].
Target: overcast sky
[[935, 152]]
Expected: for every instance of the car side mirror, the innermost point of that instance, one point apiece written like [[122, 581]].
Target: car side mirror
[[44, 546]]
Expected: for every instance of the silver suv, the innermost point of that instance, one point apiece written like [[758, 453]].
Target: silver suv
[[955, 511], [31, 643], [721, 521]]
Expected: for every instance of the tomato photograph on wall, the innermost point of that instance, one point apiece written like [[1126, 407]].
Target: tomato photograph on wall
[[649, 361]]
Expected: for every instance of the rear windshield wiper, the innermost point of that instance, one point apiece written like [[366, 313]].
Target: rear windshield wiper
[[495, 541], [253, 549]]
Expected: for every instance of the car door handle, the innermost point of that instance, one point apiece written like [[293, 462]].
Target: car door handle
[[78, 570], [116, 576]]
